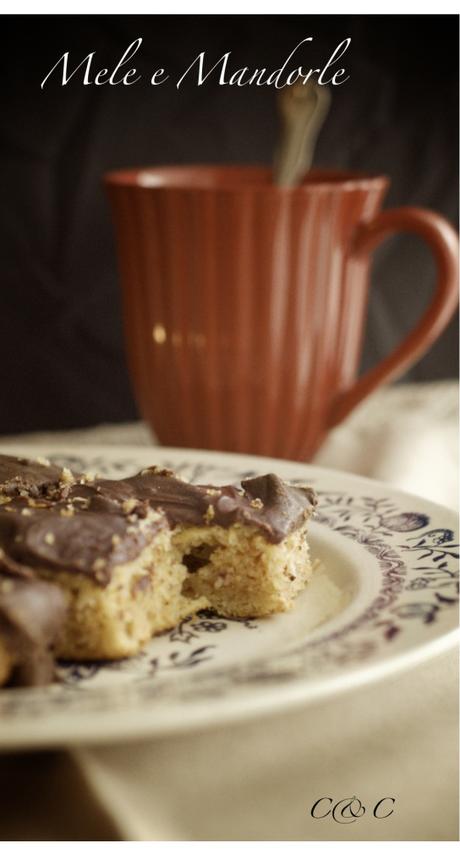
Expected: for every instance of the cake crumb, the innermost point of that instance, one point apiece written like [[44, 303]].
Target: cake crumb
[[67, 511], [67, 477], [99, 564], [83, 503], [210, 514], [42, 461], [256, 503], [153, 516], [49, 538], [35, 503], [158, 470]]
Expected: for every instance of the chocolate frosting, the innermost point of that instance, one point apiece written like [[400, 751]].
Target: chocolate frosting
[[89, 526], [31, 615], [266, 503], [86, 541], [34, 477]]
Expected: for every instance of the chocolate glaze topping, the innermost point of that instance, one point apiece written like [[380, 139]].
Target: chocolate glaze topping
[[267, 503], [69, 526], [31, 615], [35, 477], [89, 526], [85, 542]]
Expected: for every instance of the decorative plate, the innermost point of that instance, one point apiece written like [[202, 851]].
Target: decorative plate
[[383, 597]]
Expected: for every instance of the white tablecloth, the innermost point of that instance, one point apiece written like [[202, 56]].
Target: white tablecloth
[[258, 780]]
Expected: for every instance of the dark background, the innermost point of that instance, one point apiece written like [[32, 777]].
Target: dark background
[[61, 331]]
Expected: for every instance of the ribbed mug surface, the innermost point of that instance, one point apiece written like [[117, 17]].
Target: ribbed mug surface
[[243, 303]]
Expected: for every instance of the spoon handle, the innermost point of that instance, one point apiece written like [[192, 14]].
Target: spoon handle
[[302, 109]]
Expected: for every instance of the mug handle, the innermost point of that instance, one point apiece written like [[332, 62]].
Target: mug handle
[[443, 242]]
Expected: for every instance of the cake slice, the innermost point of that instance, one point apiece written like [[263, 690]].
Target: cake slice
[[256, 562], [245, 548]]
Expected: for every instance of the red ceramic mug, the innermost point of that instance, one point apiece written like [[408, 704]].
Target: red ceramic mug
[[244, 304]]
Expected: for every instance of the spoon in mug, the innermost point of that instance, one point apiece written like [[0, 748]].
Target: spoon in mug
[[302, 109]]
